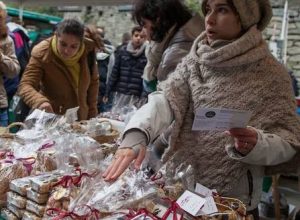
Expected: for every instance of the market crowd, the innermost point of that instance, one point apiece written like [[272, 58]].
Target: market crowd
[[169, 66]]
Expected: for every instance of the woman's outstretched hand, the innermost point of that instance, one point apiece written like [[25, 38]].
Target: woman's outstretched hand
[[245, 139], [123, 158]]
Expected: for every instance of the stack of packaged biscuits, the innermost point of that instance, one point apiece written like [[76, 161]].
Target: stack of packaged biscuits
[[28, 196], [10, 169]]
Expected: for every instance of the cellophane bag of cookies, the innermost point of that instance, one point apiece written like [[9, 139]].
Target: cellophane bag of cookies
[[16, 200], [81, 150], [129, 191], [10, 169], [67, 190], [46, 157]]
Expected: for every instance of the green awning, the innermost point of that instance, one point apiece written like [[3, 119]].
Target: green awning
[[34, 16]]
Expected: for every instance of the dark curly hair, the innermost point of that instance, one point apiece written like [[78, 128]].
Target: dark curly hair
[[164, 14]]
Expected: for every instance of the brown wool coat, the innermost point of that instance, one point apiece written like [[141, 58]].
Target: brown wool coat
[[47, 79]]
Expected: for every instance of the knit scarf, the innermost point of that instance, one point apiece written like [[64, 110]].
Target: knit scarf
[[135, 52], [154, 55], [71, 63], [241, 75]]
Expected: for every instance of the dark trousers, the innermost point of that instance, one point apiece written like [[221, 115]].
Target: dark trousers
[[254, 213]]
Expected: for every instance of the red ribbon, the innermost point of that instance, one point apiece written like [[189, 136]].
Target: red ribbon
[[61, 214], [10, 155], [77, 182], [143, 211], [65, 181], [47, 145], [27, 163], [93, 212], [158, 176], [172, 209]]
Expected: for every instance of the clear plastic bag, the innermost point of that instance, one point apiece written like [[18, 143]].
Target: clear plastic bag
[[124, 106], [77, 150], [10, 169], [130, 190]]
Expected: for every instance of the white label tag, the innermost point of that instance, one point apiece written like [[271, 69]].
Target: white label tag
[[203, 190], [209, 207], [38, 114], [190, 202], [220, 119], [71, 115]]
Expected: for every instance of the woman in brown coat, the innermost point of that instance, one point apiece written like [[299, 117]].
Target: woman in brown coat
[[62, 73]]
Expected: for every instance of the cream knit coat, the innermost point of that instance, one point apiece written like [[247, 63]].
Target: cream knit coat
[[242, 75]]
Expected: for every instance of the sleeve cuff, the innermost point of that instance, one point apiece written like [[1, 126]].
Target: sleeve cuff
[[132, 138]]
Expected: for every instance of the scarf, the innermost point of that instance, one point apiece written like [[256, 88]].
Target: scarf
[[239, 75], [135, 52], [71, 63], [154, 55]]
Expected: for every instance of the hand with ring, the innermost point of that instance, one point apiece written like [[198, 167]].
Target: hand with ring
[[245, 139]]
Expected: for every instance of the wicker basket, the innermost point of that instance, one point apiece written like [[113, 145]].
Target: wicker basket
[[5, 133], [80, 127], [108, 138]]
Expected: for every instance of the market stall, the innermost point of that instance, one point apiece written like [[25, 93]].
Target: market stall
[[51, 169]]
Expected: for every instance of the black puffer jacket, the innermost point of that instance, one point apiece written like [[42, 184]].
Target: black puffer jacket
[[126, 76]]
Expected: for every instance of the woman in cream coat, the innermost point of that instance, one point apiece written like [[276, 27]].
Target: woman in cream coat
[[229, 66]]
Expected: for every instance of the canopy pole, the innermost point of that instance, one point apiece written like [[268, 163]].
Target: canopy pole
[[21, 11], [284, 32]]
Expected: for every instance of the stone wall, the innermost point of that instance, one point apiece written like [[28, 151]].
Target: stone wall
[[116, 20], [293, 40]]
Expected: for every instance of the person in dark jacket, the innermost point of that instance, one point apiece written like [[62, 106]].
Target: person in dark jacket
[[21, 43], [126, 77], [294, 82], [126, 37]]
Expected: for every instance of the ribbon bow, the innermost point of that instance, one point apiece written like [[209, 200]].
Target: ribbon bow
[[47, 145], [172, 209], [61, 214], [132, 214]]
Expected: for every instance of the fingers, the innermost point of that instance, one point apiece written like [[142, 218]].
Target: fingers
[[112, 168], [245, 139], [49, 109], [243, 147], [244, 135], [123, 159], [140, 158], [121, 168], [46, 107]]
